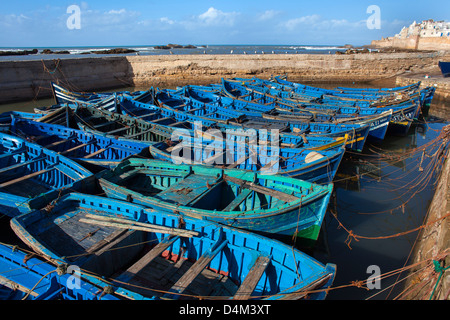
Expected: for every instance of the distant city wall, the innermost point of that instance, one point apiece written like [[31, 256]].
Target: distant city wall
[[26, 80], [417, 43]]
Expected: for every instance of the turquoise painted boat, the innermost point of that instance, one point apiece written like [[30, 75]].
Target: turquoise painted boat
[[31, 175], [24, 276], [160, 255], [268, 204]]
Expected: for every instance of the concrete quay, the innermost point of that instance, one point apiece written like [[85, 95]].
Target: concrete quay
[[26, 80]]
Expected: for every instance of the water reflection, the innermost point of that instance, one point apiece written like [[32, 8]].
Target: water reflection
[[378, 194]]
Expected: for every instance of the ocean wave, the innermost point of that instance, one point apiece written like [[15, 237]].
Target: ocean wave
[[81, 51], [142, 48], [316, 48]]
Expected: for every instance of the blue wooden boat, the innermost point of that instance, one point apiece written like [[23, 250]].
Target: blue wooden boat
[[269, 204], [86, 148], [426, 97], [351, 91], [6, 118], [317, 166], [445, 68], [24, 276], [105, 100], [161, 255], [111, 124], [63, 95], [198, 125], [345, 106], [31, 175], [411, 87], [357, 133], [409, 108], [363, 97], [377, 97]]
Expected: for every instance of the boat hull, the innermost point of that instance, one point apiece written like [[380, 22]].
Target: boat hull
[[230, 253], [279, 219]]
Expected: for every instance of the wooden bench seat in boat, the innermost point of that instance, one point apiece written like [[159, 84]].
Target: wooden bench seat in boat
[[187, 190]]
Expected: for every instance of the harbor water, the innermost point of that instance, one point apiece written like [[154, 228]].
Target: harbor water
[[379, 196]]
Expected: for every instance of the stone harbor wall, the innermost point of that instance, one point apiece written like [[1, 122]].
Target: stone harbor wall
[[26, 80]]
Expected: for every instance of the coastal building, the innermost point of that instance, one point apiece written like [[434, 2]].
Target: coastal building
[[426, 35], [427, 28]]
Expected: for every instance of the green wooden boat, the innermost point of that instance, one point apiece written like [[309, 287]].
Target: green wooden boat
[[268, 204]]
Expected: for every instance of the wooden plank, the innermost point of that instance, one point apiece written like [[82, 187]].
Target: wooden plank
[[178, 123], [140, 133], [103, 124], [261, 189], [76, 147], [16, 286], [6, 155], [161, 119], [195, 270], [187, 190], [238, 162], [269, 165], [53, 114], [146, 115], [118, 130], [251, 280], [147, 258], [117, 222], [94, 153], [31, 175], [56, 143], [21, 164], [195, 109], [212, 159], [238, 200], [111, 238]]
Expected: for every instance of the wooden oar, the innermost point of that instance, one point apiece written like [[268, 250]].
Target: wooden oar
[[129, 224]]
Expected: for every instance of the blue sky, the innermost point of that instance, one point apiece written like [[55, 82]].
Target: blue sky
[[36, 23]]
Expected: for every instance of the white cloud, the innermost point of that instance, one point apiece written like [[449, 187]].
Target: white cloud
[[166, 20], [116, 18], [214, 16], [302, 21], [268, 14], [121, 11]]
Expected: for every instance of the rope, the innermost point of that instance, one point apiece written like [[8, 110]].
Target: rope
[[42, 278], [352, 236], [441, 270], [54, 70]]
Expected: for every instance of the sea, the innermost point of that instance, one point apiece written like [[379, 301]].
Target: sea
[[79, 52]]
